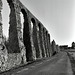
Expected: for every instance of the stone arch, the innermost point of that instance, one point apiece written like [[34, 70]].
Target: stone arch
[[21, 37], [22, 24], [41, 39], [13, 36], [26, 36], [32, 25], [15, 39], [50, 50], [47, 49], [35, 38], [44, 39]]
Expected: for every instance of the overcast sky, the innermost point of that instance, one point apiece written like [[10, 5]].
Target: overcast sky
[[58, 16]]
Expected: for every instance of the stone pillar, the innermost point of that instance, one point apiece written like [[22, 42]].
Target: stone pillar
[[13, 35], [41, 39], [28, 40], [25, 44], [32, 33], [19, 34], [38, 41], [45, 35], [44, 40], [16, 44], [49, 45]]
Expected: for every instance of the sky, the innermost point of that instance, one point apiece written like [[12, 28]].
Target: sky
[[58, 16]]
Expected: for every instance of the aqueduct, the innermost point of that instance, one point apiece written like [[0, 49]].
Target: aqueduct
[[32, 41]]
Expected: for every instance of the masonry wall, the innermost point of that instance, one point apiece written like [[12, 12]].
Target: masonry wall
[[33, 44], [33, 51], [14, 59]]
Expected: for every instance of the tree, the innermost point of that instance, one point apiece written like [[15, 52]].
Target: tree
[[73, 45]]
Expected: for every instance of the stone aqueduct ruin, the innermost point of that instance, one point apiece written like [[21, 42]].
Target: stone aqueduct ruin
[[33, 43]]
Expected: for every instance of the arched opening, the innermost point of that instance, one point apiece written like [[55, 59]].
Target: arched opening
[[26, 36], [5, 23], [22, 23], [32, 23], [47, 49], [39, 31], [5, 18], [35, 38], [38, 28]]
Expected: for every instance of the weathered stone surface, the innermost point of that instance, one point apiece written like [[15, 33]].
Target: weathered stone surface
[[3, 59], [24, 44], [39, 44], [15, 36], [54, 50], [44, 42], [49, 45], [23, 52], [41, 39], [36, 39], [14, 59], [28, 41]]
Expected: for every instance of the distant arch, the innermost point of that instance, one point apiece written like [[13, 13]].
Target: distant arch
[[35, 37], [41, 39], [26, 37]]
